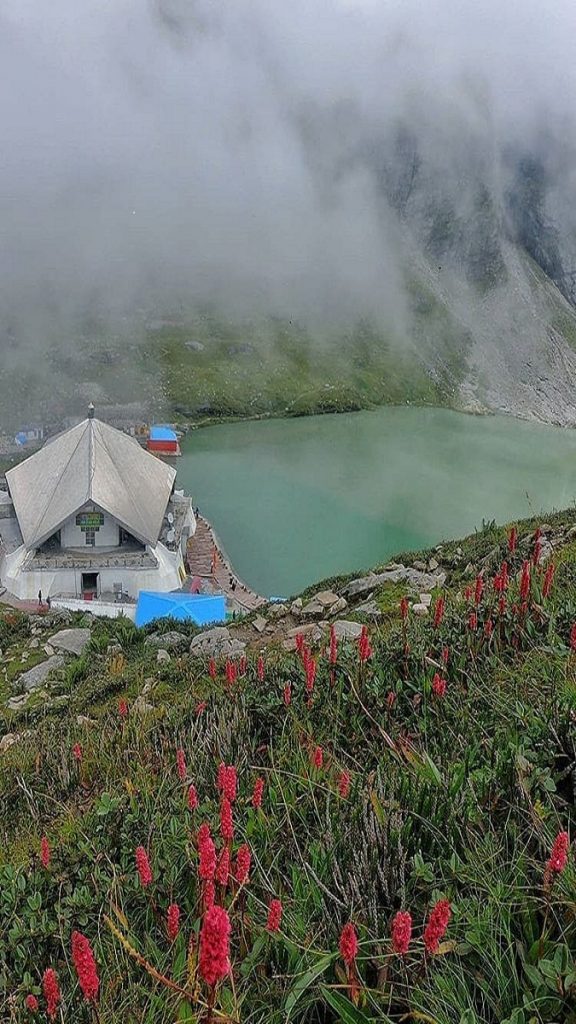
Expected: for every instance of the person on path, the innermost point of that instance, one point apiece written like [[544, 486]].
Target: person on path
[[49, 602], [39, 598]]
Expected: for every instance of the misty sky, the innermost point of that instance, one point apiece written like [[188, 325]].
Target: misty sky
[[158, 152]]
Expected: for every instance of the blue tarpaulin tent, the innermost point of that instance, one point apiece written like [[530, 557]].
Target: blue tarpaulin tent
[[201, 609]]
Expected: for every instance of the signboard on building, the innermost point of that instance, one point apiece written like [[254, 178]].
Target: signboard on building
[[90, 520]]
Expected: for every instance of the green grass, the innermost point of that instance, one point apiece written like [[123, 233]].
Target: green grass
[[459, 798]]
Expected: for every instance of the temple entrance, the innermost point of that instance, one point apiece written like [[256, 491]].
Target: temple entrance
[[89, 585]]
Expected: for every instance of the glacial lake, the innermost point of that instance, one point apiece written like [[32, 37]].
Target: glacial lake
[[296, 500]]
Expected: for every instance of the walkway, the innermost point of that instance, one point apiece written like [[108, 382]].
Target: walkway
[[200, 559]]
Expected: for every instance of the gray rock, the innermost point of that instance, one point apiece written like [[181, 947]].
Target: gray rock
[[48, 650], [321, 603], [84, 720], [420, 609], [433, 564], [215, 643], [19, 702], [296, 607], [162, 656], [421, 581], [306, 630], [35, 676], [277, 611], [7, 741], [345, 629], [426, 599], [34, 644], [166, 640], [370, 609], [114, 649], [73, 641], [340, 606], [259, 624], [141, 706], [420, 566]]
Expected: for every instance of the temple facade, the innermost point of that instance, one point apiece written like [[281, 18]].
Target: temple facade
[[93, 516]]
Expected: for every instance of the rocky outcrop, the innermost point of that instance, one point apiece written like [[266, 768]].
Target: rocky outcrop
[[216, 643], [71, 641], [419, 579], [35, 677]]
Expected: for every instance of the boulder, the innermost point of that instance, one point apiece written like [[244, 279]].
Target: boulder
[[277, 611], [19, 702], [345, 629], [296, 607], [259, 624], [166, 640], [426, 599], [162, 657], [420, 609], [433, 564], [322, 602], [7, 741], [48, 650], [421, 581], [34, 644], [420, 566], [34, 677], [370, 609], [216, 643], [72, 641]]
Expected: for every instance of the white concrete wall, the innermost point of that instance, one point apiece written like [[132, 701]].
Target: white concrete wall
[[25, 585], [72, 536], [109, 611]]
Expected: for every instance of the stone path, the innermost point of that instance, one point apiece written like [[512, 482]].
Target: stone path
[[200, 561]]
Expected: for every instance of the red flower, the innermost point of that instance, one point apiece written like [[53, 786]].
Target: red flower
[[348, 944], [404, 608], [209, 894], [287, 694], [479, 589], [438, 612], [559, 854], [299, 643], [548, 579], [181, 764], [401, 932], [143, 866], [364, 648], [243, 860], [573, 637], [473, 621], [512, 540], [77, 752], [85, 966], [260, 669], [31, 1003], [229, 783], [214, 958], [173, 921], [223, 867], [123, 708], [390, 700], [206, 853], [318, 757], [192, 797], [501, 605], [257, 793], [537, 551], [344, 784], [488, 627], [333, 646], [310, 669], [445, 655], [231, 671], [274, 916], [525, 581], [226, 822], [468, 594], [212, 668], [437, 924], [45, 854], [438, 685], [201, 707], [51, 990]]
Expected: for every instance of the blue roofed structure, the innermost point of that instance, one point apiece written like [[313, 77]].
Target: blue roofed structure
[[201, 609], [161, 433]]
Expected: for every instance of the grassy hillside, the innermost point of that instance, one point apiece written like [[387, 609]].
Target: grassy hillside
[[384, 790]]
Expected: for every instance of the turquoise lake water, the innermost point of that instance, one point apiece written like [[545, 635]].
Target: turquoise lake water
[[297, 500]]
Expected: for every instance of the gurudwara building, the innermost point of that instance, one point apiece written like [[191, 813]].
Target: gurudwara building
[[93, 516]]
